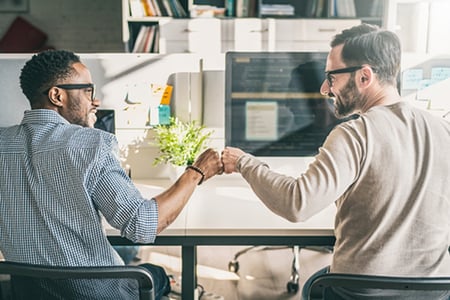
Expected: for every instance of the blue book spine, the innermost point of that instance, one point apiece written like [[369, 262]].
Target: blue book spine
[[230, 8]]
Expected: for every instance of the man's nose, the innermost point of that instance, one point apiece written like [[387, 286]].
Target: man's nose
[[96, 102], [325, 88]]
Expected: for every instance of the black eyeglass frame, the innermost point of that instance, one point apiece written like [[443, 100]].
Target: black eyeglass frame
[[341, 71], [76, 86]]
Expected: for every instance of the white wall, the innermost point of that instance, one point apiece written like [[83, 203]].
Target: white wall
[[116, 75], [77, 25], [422, 25]]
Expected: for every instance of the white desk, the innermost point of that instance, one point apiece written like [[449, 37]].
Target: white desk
[[225, 211]]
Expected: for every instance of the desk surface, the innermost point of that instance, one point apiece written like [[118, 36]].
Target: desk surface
[[225, 211], [226, 206]]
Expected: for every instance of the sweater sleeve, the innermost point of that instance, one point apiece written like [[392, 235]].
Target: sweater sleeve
[[326, 179]]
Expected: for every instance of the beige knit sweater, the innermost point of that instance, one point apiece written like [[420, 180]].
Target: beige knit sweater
[[389, 174]]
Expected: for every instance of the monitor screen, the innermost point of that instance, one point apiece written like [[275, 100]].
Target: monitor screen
[[106, 120], [273, 105]]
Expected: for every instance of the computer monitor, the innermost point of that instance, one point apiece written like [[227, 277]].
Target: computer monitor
[[273, 105], [106, 120]]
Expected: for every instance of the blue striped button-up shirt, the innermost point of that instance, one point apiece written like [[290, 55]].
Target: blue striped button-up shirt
[[56, 178]]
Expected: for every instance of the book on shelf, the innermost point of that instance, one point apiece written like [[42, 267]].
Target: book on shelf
[[147, 40], [276, 10], [173, 8], [157, 8], [155, 44], [177, 9], [242, 8], [148, 8], [246, 8], [345, 8], [230, 6], [310, 9], [168, 8], [330, 8], [149, 36], [369, 8], [140, 40], [319, 8], [181, 11], [162, 8], [376, 8], [136, 8]]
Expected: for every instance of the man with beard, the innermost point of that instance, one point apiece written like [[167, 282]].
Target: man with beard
[[58, 176], [386, 171]]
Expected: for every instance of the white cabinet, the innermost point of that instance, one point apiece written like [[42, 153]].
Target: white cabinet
[[190, 36], [249, 34], [213, 35], [227, 35], [306, 34]]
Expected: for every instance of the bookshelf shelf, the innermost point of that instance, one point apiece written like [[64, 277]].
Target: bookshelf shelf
[[180, 33], [141, 20], [147, 19]]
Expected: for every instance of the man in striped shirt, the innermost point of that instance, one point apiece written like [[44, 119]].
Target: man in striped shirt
[[58, 174]]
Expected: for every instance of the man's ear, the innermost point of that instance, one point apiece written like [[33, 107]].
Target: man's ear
[[55, 96], [366, 76]]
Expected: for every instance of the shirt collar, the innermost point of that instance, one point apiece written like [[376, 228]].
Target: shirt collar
[[43, 116]]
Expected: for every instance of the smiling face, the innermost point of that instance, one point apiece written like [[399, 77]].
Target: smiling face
[[341, 86], [78, 105]]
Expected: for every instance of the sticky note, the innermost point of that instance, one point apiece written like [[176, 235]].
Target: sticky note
[[411, 79], [164, 114], [165, 99], [439, 74]]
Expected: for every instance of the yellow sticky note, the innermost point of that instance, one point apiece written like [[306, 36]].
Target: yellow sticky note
[[165, 99]]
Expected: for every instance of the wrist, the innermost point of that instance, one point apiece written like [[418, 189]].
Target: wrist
[[199, 171]]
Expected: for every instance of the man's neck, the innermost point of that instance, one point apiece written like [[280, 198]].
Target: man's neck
[[383, 96]]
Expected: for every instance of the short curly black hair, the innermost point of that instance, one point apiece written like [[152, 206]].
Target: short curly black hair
[[44, 70]]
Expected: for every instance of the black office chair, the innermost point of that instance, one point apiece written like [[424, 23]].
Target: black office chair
[[31, 272], [293, 284], [319, 286]]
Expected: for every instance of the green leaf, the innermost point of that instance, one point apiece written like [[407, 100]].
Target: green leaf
[[180, 142]]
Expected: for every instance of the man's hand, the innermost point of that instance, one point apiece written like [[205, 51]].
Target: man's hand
[[209, 162], [230, 156]]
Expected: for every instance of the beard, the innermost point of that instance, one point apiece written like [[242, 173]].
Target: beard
[[78, 115], [346, 103], [92, 118]]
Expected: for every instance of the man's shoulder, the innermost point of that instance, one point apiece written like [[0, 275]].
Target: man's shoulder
[[91, 136], [4, 130], [8, 134], [354, 122]]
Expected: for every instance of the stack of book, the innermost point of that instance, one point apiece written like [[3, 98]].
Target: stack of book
[[342, 8], [330, 8], [276, 10], [246, 8], [157, 8], [147, 40]]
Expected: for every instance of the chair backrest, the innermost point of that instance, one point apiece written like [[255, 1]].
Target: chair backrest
[[324, 281], [140, 274]]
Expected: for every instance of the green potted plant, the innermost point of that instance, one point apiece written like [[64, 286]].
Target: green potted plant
[[180, 142]]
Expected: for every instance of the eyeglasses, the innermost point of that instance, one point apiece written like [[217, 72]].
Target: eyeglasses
[[340, 71], [77, 86]]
